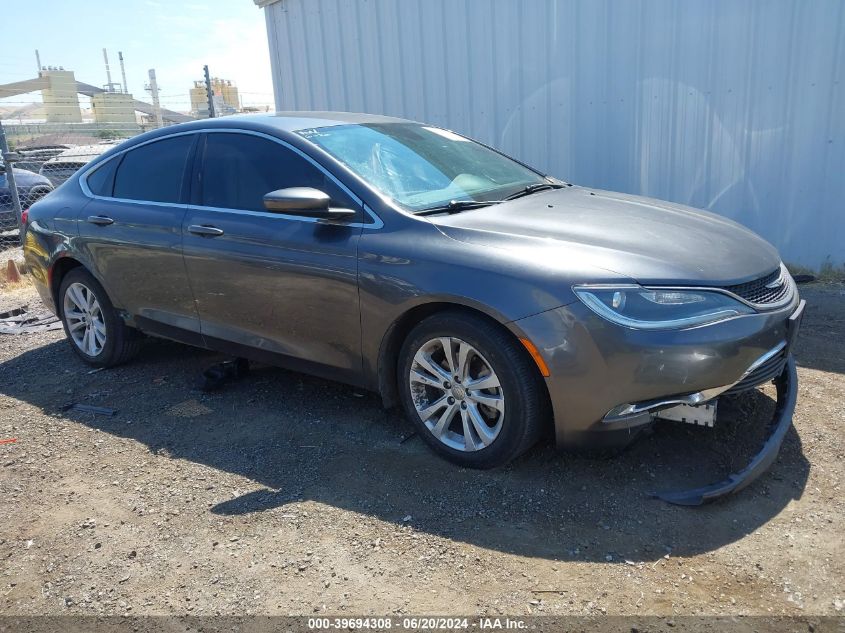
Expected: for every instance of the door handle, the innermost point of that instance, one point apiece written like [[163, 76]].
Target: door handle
[[205, 231], [100, 220]]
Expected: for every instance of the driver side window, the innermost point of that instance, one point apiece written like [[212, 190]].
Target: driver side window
[[239, 169]]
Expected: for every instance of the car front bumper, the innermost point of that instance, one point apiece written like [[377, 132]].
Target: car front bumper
[[596, 366], [787, 395]]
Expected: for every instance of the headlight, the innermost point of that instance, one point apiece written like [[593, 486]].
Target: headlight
[[656, 309]]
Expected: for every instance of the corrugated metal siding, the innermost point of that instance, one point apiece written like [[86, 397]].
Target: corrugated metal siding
[[733, 106]]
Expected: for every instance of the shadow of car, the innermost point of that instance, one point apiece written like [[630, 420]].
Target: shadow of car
[[299, 437]]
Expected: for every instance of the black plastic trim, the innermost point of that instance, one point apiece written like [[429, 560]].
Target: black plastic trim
[[787, 395]]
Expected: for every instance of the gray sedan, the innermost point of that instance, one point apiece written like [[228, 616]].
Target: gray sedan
[[491, 301]]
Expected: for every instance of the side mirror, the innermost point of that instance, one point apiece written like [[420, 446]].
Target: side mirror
[[305, 201]]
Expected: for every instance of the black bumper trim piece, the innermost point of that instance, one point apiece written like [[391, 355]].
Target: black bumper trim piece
[[787, 394]]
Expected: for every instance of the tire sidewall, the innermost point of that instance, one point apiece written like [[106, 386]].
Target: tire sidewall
[[109, 316], [511, 437]]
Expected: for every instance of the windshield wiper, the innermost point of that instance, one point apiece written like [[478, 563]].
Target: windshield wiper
[[527, 191], [455, 206]]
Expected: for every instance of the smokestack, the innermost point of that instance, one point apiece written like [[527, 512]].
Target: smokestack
[[38, 59], [122, 71], [154, 92], [109, 86]]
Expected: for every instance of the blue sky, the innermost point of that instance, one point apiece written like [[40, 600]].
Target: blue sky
[[175, 38]]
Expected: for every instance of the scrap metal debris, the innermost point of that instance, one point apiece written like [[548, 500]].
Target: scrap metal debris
[[22, 321], [89, 408]]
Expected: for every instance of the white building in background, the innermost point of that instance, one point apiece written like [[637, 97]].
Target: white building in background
[[729, 105]]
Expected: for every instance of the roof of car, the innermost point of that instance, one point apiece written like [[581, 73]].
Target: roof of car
[[293, 121], [271, 123]]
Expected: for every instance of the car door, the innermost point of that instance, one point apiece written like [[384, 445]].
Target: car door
[[131, 231], [270, 285]]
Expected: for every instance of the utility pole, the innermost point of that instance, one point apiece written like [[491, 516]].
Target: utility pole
[[209, 92], [153, 88]]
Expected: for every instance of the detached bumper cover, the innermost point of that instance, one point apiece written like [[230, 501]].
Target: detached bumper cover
[[787, 394]]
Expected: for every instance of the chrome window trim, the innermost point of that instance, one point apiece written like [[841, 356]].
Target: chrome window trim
[[376, 223], [268, 214]]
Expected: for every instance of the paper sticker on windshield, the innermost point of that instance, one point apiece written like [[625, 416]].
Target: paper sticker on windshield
[[446, 134]]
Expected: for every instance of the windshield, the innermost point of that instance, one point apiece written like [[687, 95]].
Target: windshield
[[421, 167]]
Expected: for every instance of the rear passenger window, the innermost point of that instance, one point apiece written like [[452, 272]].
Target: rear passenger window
[[239, 169], [101, 180], [154, 171]]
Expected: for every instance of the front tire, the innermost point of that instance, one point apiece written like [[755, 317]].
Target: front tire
[[472, 392], [95, 331]]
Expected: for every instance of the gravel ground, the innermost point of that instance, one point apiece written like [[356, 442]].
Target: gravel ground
[[284, 494]]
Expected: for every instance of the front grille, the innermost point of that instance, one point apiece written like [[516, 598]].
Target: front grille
[[756, 291], [766, 372]]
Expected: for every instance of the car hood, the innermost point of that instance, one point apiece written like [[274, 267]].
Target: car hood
[[646, 240]]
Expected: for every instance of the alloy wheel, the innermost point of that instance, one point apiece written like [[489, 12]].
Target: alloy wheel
[[84, 317], [457, 394]]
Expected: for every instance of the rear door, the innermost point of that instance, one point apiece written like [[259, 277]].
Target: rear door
[[277, 285], [132, 233]]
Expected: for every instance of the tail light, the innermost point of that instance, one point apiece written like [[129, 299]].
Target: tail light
[[24, 217]]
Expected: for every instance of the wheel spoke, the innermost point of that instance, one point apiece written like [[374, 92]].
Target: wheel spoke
[[462, 369], [99, 326], [90, 300], [491, 381], [76, 297], [431, 367], [469, 442], [428, 411], [485, 433], [446, 344], [444, 420], [77, 323], [420, 377], [497, 402], [99, 337]]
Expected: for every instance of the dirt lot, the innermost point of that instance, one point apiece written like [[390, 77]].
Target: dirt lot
[[284, 494]]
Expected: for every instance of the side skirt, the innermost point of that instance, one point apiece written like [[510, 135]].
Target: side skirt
[[195, 339]]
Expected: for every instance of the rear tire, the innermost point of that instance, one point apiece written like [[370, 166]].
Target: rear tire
[[485, 407], [94, 329]]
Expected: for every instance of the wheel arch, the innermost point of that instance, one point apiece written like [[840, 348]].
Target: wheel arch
[[394, 337], [58, 271]]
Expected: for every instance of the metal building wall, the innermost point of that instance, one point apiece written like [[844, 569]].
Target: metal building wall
[[730, 105]]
